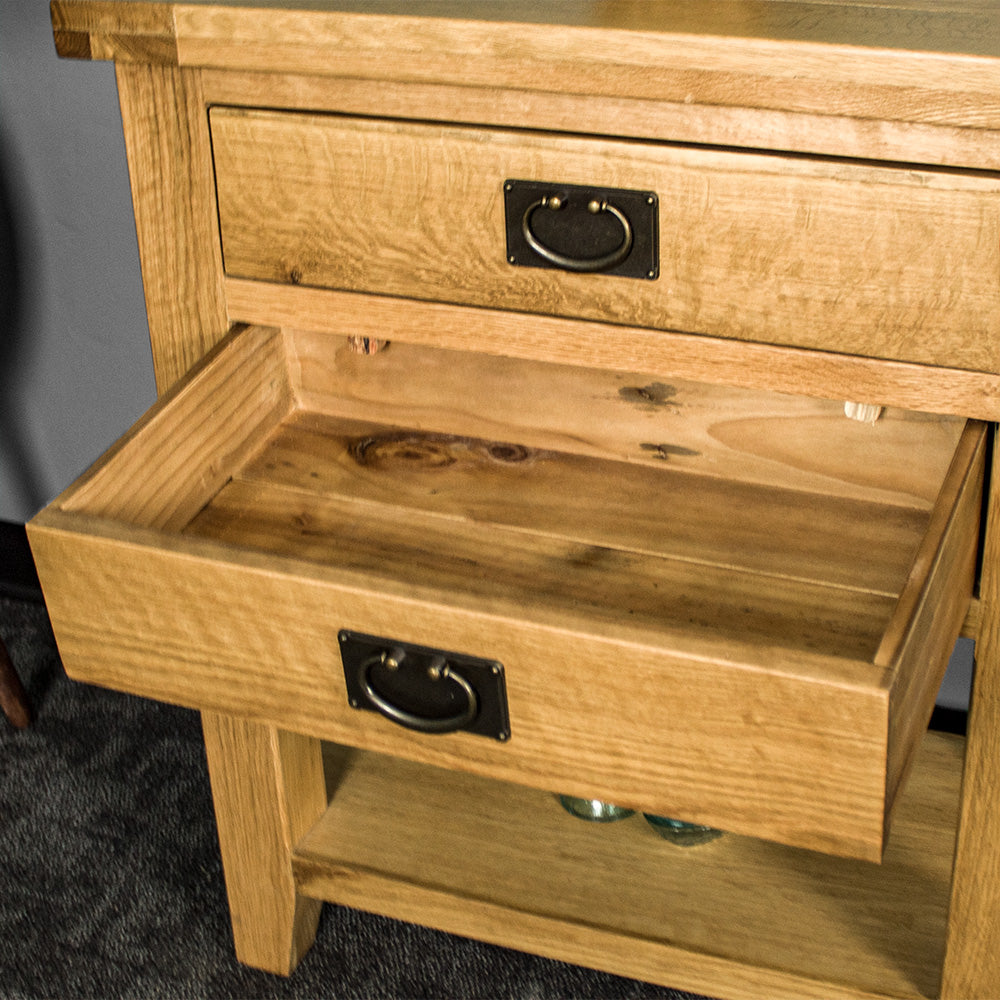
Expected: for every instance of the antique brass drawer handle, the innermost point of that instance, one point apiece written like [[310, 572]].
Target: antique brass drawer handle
[[439, 670], [584, 264], [583, 229]]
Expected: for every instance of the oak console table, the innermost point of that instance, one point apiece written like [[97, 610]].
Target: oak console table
[[572, 397]]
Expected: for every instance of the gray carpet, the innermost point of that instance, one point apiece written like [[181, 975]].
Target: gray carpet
[[111, 884]]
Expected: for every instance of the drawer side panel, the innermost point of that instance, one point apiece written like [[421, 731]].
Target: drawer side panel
[[934, 604], [190, 442]]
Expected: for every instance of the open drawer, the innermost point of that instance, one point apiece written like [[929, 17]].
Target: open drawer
[[725, 606]]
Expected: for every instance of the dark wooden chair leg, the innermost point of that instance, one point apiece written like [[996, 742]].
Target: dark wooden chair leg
[[13, 700]]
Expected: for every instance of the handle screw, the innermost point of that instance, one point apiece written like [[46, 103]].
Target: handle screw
[[393, 658]]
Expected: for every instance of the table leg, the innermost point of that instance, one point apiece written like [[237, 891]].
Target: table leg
[[972, 960], [13, 700], [268, 789]]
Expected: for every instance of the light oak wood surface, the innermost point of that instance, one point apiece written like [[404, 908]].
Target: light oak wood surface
[[857, 259], [182, 451], [859, 93], [931, 609], [655, 119], [857, 60], [499, 567], [710, 429], [167, 145], [453, 480], [665, 355], [214, 650], [972, 967], [738, 916], [274, 779], [809, 602]]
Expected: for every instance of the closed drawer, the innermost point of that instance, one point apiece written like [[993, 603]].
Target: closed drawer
[[878, 261], [726, 606]]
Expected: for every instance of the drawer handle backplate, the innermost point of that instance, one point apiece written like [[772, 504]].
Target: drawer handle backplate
[[582, 229], [425, 689]]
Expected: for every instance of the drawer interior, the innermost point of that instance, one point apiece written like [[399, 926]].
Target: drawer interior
[[699, 594]]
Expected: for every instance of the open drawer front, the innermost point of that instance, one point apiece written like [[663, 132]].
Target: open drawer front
[[729, 607]]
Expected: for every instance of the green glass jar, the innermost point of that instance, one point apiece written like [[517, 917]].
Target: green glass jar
[[593, 810], [680, 833]]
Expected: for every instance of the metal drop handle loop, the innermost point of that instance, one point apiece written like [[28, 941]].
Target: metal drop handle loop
[[580, 264], [411, 720]]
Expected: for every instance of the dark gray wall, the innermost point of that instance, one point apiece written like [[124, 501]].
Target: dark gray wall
[[75, 365]]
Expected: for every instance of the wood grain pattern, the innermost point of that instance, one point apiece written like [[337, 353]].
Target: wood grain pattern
[[268, 790], [565, 578], [932, 606], [178, 622], [759, 632], [857, 259], [745, 435], [815, 58], [72, 44], [960, 499], [736, 918], [179, 454], [173, 195], [970, 629], [676, 121], [663, 354], [125, 31], [141, 608], [596, 505], [972, 965]]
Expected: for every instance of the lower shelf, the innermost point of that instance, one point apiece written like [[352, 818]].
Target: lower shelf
[[736, 917]]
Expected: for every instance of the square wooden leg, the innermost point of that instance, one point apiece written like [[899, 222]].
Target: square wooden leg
[[13, 700], [972, 960], [268, 789]]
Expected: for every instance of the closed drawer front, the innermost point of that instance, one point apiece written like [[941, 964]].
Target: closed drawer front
[[726, 606], [878, 261]]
